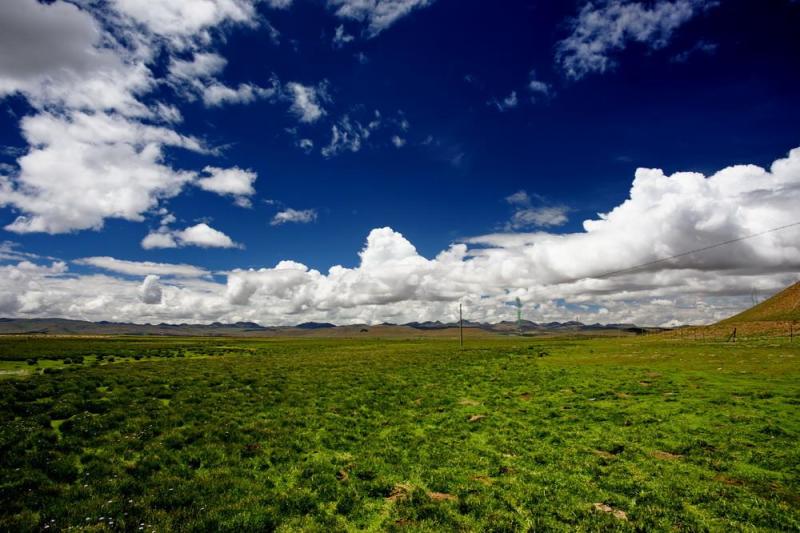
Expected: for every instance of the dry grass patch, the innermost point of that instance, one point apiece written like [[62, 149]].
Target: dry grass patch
[[442, 497], [666, 456], [400, 492], [483, 480], [617, 513]]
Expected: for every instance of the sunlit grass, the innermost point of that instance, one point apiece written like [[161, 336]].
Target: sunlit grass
[[507, 434]]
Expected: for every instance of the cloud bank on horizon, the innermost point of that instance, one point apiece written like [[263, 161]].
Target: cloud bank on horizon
[[105, 88], [663, 216]]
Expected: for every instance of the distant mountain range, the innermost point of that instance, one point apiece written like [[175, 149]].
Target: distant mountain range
[[60, 326]]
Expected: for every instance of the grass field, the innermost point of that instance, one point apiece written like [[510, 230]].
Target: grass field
[[508, 434]]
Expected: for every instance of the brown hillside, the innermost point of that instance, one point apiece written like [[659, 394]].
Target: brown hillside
[[784, 306]]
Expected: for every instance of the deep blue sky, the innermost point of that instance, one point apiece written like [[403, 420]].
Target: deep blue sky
[[578, 148]]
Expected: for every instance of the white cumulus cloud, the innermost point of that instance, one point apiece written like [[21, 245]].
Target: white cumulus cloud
[[306, 101], [201, 235], [234, 182], [150, 290], [186, 21], [86, 167], [96, 150]]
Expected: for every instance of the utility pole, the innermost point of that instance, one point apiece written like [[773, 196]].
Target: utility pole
[[460, 326]]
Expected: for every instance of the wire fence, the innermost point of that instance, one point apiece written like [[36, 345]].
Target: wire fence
[[783, 331]]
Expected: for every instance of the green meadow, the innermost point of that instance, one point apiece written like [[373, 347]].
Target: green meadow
[[506, 434]]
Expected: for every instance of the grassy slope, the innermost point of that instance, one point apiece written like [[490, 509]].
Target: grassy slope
[[335, 435], [783, 306]]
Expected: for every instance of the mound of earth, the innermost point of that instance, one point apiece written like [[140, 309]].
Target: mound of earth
[[784, 306]]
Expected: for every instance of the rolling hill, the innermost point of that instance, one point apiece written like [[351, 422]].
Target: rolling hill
[[784, 306]]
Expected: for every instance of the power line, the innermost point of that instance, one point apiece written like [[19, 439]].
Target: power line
[[613, 273]]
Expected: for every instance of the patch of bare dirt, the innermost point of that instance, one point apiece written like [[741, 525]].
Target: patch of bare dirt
[[475, 418], [722, 478], [604, 454], [666, 456], [617, 513], [400, 492], [442, 497], [525, 396]]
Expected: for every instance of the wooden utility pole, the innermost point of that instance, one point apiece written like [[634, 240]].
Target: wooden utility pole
[[460, 326]]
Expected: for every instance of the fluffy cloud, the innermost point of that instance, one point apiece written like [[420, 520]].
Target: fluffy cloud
[[556, 276], [543, 268], [377, 14], [519, 198], [143, 268], [150, 290], [54, 55], [186, 21], [606, 27], [201, 235], [159, 239], [297, 216], [279, 4], [231, 182], [86, 167], [538, 217], [306, 101], [527, 216], [216, 94], [202, 65], [96, 150], [197, 78]]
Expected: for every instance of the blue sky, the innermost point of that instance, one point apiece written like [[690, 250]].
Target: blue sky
[[232, 136]]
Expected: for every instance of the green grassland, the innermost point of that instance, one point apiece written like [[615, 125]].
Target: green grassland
[[508, 434]]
